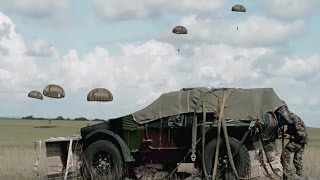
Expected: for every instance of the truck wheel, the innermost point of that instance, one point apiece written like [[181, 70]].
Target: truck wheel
[[103, 161], [241, 160]]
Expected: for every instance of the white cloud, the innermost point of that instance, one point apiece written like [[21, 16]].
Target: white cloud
[[290, 9], [126, 9], [140, 66], [37, 8], [43, 49], [16, 68], [298, 68], [226, 62], [254, 31], [10, 41]]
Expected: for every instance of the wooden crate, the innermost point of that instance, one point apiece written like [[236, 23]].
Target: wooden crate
[[61, 158]]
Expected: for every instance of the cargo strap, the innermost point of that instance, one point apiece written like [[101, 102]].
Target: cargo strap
[[69, 159], [174, 170], [221, 118], [203, 135], [195, 124], [194, 138], [282, 146], [224, 127], [35, 170], [268, 159], [252, 124]]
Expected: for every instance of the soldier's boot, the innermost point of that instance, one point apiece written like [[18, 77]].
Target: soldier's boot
[[296, 177], [287, 176], [299, 173]]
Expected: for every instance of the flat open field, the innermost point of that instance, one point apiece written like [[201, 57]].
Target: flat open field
[[17, 150], [18, 155]]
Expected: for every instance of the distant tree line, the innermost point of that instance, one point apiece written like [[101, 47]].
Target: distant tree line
[[31, 117]]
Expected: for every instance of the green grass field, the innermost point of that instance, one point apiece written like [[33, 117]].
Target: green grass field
[[18, 155]]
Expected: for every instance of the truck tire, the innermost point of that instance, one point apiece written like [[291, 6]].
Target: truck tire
[[102, 160], [241, 160]]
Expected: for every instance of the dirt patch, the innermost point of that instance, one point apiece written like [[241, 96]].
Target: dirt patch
[[44, 126]]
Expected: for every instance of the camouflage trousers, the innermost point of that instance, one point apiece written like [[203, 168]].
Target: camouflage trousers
[[293, 148]]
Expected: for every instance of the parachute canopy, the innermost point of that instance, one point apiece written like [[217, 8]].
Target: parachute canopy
[[35, 94], [100, 94], [238, 8], [180, 30], [53, 91]]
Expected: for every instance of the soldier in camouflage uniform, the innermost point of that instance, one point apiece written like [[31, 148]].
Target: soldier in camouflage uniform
[[297, 134]]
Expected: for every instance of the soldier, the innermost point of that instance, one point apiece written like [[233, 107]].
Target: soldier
[[297, 135]]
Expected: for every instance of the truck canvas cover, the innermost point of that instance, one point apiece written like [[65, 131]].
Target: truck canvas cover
[[242, 104]]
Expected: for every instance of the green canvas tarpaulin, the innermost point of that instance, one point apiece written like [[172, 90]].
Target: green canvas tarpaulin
[[243, 104]]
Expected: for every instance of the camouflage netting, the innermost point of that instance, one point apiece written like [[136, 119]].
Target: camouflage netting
[[243, 104]]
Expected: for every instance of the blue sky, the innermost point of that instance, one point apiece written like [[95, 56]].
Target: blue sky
[[127, 47]]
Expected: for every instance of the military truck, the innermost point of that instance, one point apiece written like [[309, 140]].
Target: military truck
[[204, 133], [178, 135]]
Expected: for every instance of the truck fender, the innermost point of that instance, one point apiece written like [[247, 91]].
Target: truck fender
[[119, 142]]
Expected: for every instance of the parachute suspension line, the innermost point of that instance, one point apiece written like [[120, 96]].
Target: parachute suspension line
[[238, 8], [180, 30]]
